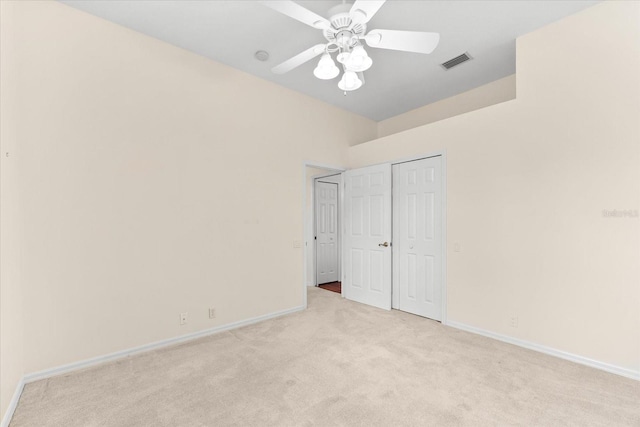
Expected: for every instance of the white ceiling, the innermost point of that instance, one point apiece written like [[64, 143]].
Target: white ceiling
[[232, 31]]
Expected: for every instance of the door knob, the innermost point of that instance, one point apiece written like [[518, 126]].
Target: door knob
[[385, 244]]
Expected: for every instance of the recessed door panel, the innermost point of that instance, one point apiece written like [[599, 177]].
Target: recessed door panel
[[429, 287], [376, 266], [357, 215], [412, 226], [429, 215], [376, 215], [412, 276]]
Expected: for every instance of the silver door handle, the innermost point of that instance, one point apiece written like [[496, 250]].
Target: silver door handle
[[385, 244]]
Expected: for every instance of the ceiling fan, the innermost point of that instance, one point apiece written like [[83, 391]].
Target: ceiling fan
[[344, 31]]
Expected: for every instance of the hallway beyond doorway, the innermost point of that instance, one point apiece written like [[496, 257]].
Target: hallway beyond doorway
[[332, 286]]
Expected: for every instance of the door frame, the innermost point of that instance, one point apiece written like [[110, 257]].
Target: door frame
[[314, 211], [331, 170]]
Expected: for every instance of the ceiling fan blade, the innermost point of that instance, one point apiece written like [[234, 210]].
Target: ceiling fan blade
[[295, 11], [408, 41], [299, 59], [363, 10]]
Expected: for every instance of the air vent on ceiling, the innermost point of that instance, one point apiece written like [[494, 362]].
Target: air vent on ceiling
[[456, 61]]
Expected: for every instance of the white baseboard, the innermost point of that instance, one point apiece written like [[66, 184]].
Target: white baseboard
[[13, 404], [47, 373], [629, 373]]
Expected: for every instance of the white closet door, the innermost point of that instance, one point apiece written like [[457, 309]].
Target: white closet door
[[367, 269], [326, 232], [417, 242]]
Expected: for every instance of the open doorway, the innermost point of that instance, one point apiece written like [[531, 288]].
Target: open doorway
[[322, 222], [327, 232]]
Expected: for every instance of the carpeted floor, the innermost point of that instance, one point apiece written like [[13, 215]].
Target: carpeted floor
[[338, 363]]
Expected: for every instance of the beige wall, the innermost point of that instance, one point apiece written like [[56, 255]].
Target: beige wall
[[11, 308], [492, 93], [527, 181], [151, 178]]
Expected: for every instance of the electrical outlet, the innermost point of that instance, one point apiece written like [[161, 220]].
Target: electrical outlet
[[513, 322], [183, 318], [212, 313]]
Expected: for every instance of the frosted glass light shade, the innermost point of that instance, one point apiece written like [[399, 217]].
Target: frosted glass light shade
[[358, 60], [343, 57], [349, 81], [326, 69]]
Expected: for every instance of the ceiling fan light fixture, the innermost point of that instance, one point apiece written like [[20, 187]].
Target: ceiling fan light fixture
[[358, 60], [326, 69], [343, 57], [345, 32], [349, 81]]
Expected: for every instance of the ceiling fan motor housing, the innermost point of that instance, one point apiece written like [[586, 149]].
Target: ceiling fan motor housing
[[346, 39], [343, 31]]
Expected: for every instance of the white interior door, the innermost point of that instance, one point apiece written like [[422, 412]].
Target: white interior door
[[417, 237], [326, 232], [367, 268]]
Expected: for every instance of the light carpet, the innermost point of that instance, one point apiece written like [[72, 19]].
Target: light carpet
[[339, 363]]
